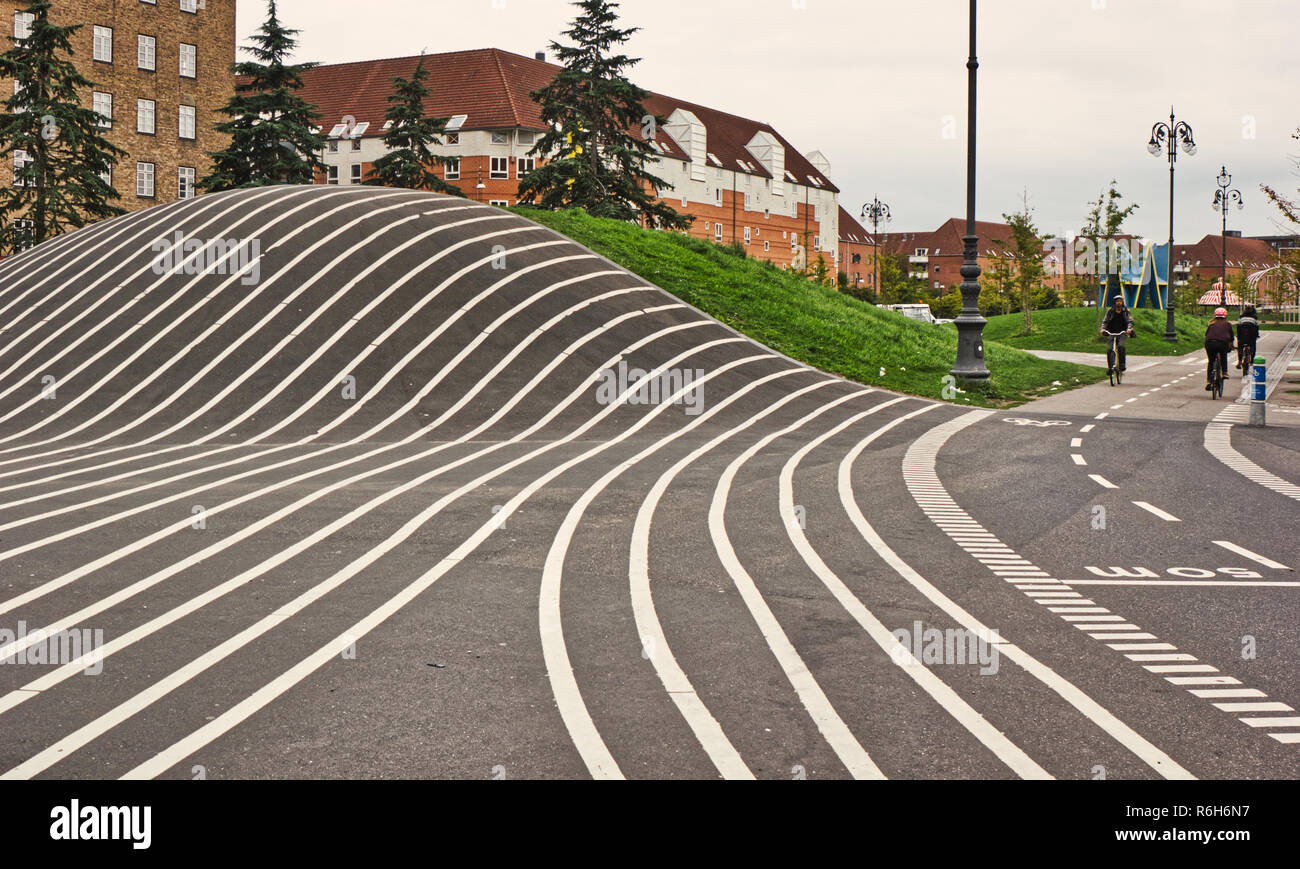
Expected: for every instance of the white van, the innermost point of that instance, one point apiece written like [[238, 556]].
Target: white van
[[913, 312]]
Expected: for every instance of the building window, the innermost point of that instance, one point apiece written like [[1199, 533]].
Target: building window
[[766, 247], [20, 160], [527, 137], [452, 138], [500, 167], [104, 44], [356, 173], [817, 242], [186, 122], [717, 232], [144, 180], [185, 182], [500, 138], [717, 195], [146, 52], [102, 103], [190, 6], [452, 172], [524, 166], [356, 144], [145, 113], [504, 203], [331, 175], [334, 146], [107, 176], [189, 60], [748, 235], [23, 25]]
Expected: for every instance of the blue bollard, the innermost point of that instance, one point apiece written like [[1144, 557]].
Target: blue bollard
[[1258, 393]]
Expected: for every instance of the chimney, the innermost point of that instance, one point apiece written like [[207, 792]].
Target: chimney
[[541, 55]]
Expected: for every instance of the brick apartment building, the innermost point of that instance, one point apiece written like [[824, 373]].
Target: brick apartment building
[[161, 71], [739, 178], [857, 254], [1204, 261], [936, 257]]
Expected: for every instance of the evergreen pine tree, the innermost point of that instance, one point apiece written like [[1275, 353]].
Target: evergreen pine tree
[[272, 137], [595, 162], [59, 184], [409, 163]]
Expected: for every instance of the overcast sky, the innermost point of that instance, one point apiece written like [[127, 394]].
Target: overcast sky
[[1069, 89]]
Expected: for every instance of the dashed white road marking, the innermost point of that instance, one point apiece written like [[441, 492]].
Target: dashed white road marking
[[919, 470], [1253, 556], [1102, 481], [1218, 440], [1076, 442], [1078, 459], [1156, 511]]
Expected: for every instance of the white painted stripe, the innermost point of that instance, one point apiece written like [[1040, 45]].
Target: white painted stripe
[[564, 685], [1156, 511], [1218, 441], [1278, 721], [269, 692], [1253, 556], [1202, 680], [1102, 481], [925, 451], [301, 545], [1078, 459], [1254, 707], [1087, 428], [1124, 637], [1161, 657], [1180, 668], [1287, 738], [1225, 693], [991, 737], [1076, 443], [1134, 647]]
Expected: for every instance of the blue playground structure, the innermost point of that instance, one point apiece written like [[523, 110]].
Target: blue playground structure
[[1143, 279]]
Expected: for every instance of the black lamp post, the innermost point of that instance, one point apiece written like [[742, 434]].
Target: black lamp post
[[970, 325], [877, 212], [1223, 200], [1168, 136]]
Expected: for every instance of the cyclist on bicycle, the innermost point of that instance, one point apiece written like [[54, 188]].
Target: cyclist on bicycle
[[1247, 338], [1119, 321], [1218, 341]]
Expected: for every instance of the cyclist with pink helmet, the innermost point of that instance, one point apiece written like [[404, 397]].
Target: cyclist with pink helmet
[[1218, 341]]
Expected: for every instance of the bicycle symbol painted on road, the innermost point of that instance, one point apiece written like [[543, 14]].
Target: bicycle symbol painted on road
[[1041, 423]]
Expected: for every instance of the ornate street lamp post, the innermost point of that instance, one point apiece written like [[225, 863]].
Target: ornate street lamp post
[[1223, 200], [970, 325], [1167, 137], [877, 212]]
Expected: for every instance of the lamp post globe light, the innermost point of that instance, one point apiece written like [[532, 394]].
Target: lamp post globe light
[[877, 212], [1223, 200], [1168, 137], [970, 325]]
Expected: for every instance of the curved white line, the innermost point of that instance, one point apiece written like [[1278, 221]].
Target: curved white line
[[559, 669], [1093, 711], [949, 700]]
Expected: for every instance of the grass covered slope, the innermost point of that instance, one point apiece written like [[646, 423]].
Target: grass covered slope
[[1075, 329], [814, 324]]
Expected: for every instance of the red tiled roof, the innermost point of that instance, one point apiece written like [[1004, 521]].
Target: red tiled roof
[[851, 232], [493, 88], [947, 239], [1242, 252]]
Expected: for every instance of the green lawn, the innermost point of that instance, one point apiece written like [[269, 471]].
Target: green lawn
[[1075, 329], [814, 324]]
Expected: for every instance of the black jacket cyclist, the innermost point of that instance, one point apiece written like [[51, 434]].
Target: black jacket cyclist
[[1218, 341]]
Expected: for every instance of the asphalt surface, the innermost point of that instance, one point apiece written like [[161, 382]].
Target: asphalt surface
[[386, 509]]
